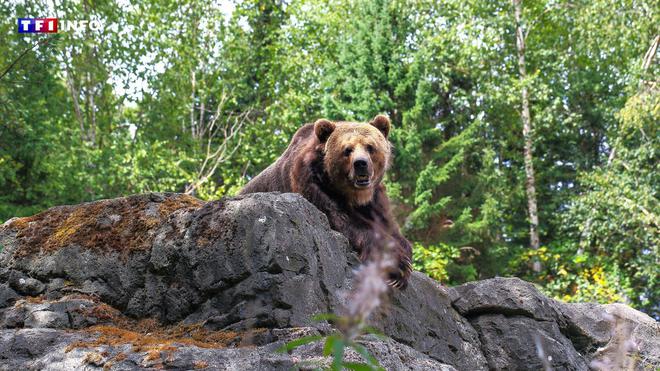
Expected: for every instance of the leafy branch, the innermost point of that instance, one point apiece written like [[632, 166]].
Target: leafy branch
[[42, 42], [335, 344]]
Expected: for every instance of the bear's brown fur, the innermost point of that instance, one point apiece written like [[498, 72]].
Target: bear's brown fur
[[338, 167]]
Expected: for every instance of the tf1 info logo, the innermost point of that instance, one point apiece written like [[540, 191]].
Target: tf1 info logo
[[50, 25]]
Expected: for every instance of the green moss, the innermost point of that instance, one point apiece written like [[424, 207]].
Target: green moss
[[123, 224]]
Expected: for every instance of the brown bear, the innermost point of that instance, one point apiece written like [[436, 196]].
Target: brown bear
[[338, 167]]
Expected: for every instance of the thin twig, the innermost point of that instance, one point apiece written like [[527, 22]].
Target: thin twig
[[43, 41], [230, 129]]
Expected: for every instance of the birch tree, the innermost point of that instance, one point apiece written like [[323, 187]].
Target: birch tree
[[527, 131]]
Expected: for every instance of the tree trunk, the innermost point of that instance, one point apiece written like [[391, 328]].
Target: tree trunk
[[76, 104], [530, 183]]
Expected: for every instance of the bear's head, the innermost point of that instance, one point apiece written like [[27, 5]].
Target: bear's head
[[356, 155]]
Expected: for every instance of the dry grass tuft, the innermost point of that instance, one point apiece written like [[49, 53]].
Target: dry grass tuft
[[149, 336]]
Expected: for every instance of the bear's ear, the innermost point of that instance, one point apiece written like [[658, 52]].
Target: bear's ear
[[382, 123], [323, 128]]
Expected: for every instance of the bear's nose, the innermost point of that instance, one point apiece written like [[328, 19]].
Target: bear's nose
[[360, 165]]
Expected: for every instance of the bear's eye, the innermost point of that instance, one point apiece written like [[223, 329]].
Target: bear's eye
[[370, 148], [347, 151]]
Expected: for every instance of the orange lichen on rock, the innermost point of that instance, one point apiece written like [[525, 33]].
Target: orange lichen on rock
[[93, 358], [171, 205], [200, 364], [123, 224], [35, 299], [104, 312], [119, 357], [149, 336], [152, 355], [21, 223]]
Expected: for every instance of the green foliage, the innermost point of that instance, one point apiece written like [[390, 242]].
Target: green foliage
[[610, 249], [617, 218], [434, 260], [573, 276], [335, 345]]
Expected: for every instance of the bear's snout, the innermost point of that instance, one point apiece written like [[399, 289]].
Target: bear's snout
[[361, 172], [361, 167]]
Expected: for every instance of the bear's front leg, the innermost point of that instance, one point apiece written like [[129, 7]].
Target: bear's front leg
[[374, 243], [403, 253], [367, 236], [388, 235]]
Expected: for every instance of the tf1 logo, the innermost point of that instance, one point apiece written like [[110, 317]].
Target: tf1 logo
[[50, 25], [37, 25]]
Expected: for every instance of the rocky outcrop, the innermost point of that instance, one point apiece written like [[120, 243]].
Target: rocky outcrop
[[165, 280], [516, 323]]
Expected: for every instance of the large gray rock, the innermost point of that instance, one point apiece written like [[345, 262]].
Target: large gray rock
[[74, 277], [516, 322], [235, 263], [50, 349], [613, 336], [7, 295], [514, 342], [422, 316], [510, 296]]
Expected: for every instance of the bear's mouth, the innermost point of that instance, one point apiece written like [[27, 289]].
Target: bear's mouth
[[362, 181]]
